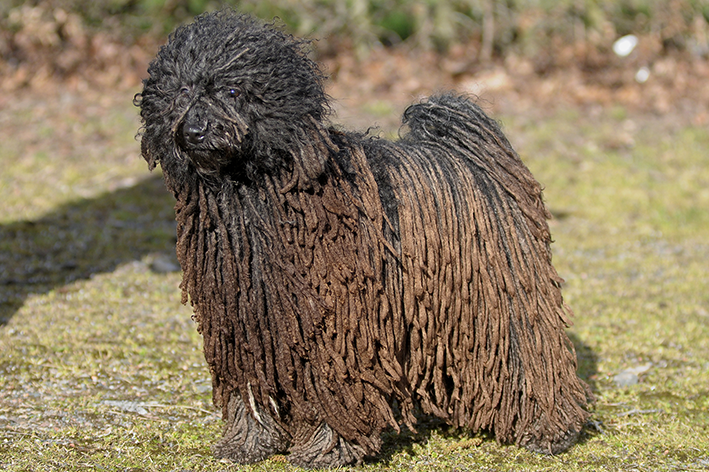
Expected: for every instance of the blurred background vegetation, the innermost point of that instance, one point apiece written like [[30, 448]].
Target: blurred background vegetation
[[58, 37]]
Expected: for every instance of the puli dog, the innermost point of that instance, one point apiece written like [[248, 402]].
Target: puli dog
[[343, 282]]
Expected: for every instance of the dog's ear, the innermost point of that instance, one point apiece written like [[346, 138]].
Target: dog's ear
[[144, 146], [148, 154]]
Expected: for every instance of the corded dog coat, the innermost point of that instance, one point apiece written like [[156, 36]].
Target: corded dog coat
[[340, 280]]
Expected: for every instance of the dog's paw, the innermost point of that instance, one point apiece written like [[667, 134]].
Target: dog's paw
[[248, 439], [324, 448], [556, 445]]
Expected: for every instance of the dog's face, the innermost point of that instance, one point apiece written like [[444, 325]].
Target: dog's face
[[228, 94], [209, 124]]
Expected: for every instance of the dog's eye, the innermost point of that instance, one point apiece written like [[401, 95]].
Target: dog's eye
[[233, 92], [185, 91]]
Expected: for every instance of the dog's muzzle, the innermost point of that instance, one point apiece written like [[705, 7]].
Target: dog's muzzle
[[194, 133], [195, 126], [210, 139]]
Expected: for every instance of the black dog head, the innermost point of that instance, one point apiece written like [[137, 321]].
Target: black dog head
[[228, 96]]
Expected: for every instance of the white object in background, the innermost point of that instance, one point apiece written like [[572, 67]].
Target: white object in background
[[625, 45], [642, 75]]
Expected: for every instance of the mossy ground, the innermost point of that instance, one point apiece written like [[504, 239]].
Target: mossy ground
[[101, 368]]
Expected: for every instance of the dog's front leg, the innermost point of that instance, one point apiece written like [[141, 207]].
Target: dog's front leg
[[249, 436], [320, 447]]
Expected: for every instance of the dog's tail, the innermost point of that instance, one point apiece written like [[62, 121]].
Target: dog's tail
[[452, 127], [449, 117]]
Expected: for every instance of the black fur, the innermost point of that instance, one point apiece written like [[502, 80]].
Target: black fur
[[260, 87], [333, 274]]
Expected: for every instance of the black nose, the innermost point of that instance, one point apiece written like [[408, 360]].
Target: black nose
[[193, 133]]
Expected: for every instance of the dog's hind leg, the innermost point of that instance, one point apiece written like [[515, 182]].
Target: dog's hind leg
[[249, 436], [322, 447], [558, 444]]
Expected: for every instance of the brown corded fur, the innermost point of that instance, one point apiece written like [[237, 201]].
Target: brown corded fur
[[333, 275]]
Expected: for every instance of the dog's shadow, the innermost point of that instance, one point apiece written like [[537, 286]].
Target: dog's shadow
[[83, 238]]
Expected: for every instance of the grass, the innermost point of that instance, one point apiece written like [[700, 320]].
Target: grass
[[101, 368]]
